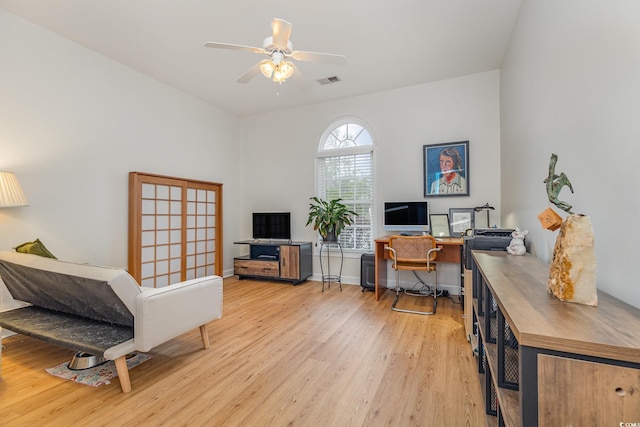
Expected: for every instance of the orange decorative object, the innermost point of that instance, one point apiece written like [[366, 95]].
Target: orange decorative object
[[549, 219]]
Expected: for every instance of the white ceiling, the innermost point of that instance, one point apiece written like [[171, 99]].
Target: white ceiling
[[388, 44]]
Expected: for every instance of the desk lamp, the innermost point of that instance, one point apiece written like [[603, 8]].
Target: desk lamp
[[485, 207]]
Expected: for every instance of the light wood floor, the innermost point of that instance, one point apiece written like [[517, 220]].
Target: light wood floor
[[280, 356]]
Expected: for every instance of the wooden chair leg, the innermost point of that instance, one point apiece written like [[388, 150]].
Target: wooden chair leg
[[123, 373], [205, 336]]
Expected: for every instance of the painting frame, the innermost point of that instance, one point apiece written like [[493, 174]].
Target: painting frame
[[439, 224], [456, 182], [461, 220]]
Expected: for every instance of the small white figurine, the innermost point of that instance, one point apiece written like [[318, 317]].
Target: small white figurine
[[516, 247]]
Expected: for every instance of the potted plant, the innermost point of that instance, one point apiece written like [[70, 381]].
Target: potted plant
[[329, 217]]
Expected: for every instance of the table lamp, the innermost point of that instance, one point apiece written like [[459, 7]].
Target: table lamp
[[11, 194]]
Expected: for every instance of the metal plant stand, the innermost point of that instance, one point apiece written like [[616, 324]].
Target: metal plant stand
[[331, 278]]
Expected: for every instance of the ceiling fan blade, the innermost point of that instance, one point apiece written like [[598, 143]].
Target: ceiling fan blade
[[251, 73], [298, 76], [325, 58], [234, 47], [281, 32]]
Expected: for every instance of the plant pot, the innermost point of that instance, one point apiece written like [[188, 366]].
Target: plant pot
[[331, 236]]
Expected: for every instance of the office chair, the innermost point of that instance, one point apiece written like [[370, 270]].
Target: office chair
[[416, 253]]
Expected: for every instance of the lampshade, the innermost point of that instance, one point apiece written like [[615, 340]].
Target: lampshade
[[11, 194], [283, 71], [267, 67], [286, 68]]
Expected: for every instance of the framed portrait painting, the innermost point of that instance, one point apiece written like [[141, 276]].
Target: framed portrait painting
[[446, 169]]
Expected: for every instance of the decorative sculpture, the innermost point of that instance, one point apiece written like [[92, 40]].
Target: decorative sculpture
[[549, 219], [517, 247], [555, 183], [572, 274]]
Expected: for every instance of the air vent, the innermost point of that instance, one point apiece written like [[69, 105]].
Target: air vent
[[329, 80]]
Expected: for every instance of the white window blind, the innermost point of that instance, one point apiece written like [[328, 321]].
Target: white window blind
[[344, 170]]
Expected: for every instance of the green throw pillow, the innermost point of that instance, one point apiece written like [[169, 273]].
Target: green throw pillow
[[36, 248]]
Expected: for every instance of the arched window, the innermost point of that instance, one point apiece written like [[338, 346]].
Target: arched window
[[344, 169]]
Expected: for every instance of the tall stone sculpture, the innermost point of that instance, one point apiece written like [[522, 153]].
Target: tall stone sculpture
[[572, 276]]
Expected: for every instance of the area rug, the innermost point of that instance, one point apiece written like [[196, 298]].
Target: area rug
[[97, 375]]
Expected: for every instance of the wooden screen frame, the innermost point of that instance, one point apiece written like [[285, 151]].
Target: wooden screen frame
[[136, 181]]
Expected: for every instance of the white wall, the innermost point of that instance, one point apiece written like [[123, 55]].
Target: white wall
[[279, 150], [570, 85], [74, 123]]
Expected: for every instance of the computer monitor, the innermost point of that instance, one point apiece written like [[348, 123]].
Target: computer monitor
[[410, 217]]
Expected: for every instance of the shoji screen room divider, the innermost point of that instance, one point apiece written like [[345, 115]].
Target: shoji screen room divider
[[175, 229]]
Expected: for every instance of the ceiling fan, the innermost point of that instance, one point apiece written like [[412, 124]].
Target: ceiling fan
[[279, 49]]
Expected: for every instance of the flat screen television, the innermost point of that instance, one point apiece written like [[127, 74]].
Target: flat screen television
[[412, 217], [272, 225]]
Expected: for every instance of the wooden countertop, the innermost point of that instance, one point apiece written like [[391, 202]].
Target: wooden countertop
[[538, 319]]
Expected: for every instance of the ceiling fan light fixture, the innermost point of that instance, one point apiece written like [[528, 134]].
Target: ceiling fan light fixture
[[286, 68], [267, 68], [278, 47], [278, 77], [282, 72]]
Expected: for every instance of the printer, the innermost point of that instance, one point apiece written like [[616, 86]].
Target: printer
[[488, 239]]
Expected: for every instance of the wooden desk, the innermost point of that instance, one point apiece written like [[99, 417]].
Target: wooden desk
[[451, 252]]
